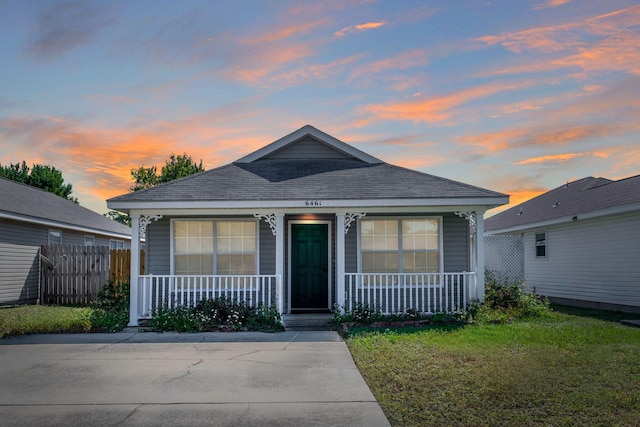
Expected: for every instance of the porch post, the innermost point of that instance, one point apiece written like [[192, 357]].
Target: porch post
[[135, 269], [480, 255], [279, 232], [340, 237]]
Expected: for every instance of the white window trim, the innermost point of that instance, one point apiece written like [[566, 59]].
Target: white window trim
[[546, 244], [172, 268], [400, 273], [52, 230], [90, 236]]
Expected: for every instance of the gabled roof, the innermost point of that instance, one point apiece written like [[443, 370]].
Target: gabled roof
[[586, 197], [306, 164], [309, 133], [21, 202]]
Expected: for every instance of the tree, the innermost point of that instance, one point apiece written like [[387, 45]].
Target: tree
[[120, 217], [146, 177], [176, 167], [44, 177]]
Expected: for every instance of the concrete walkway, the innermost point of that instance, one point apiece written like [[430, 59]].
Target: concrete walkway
[[222, 379]]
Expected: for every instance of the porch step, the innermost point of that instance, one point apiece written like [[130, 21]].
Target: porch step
[[308, 322]]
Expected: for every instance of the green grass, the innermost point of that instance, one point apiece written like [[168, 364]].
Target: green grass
[[573, 367], [41, 319]]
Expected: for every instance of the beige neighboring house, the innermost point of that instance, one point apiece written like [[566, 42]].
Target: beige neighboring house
[[31, 217]]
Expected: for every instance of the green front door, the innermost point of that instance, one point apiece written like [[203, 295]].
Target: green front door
[[309, 266]]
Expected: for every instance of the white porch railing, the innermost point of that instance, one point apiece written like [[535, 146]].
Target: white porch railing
[[158, 291], [424, 292]]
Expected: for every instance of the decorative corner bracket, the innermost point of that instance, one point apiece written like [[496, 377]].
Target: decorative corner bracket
[[471, 217], [269, 219], [349, 218], [144, 222]]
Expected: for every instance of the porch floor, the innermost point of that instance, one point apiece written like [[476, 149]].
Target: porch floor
[[308, 322]]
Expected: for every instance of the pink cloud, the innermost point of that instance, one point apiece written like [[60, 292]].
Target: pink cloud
[[551, 3], [436, 109], [359, 28]]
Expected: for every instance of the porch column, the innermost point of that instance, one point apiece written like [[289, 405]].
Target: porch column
[[135, 269], [480, 255], [340, 237], [279, 232]]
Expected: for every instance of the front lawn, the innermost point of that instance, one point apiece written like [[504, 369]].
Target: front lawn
[[578, 368], [43, 319]]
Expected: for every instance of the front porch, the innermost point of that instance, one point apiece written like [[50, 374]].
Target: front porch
[[389, 293], [314, 263]]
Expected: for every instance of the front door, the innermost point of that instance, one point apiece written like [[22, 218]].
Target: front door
[[309, 266]]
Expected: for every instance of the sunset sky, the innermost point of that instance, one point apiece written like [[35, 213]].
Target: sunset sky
[[511, 95]]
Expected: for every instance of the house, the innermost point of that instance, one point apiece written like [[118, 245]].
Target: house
[[581, 242], [31, 217], [305, 223]]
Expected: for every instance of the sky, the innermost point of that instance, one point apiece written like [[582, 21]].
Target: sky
[[516, 96]]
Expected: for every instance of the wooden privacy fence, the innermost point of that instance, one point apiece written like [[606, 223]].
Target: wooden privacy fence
[[75, 274]]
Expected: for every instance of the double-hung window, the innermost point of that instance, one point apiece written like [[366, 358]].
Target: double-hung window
[[541, 245], [409, 245], [214, 247]]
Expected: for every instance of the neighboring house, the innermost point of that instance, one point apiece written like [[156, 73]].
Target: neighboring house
[[581, 242], [31, 217], [305, 223]]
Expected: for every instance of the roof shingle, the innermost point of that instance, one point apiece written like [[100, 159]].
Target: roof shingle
[[578, 197]]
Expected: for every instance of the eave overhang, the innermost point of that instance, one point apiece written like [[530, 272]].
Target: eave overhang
[[63, 225], [290, 206], [616, 210]]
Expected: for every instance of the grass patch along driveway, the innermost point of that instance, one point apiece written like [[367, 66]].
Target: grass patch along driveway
[[560, 370], [43, 319]]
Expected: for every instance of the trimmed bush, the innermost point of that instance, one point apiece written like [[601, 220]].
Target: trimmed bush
[[217, 314]]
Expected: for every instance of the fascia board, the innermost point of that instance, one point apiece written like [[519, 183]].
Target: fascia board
[[568, 218], [313, 205], [261, 204], [63, 225]]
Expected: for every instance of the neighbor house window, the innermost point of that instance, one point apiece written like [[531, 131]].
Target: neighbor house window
[[116, 244], [400, 245], [89, 240], [541, 244], [55, 237], [214, 247]]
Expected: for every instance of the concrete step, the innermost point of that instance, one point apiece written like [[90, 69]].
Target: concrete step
[[308, 322]]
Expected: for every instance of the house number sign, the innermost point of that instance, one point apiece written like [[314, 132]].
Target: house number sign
[[313, 203]]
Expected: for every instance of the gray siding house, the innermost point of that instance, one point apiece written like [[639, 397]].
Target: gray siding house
[[581, 242], [29, 218], [306, 223]]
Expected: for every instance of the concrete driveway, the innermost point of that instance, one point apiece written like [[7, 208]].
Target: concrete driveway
[[222, 379]]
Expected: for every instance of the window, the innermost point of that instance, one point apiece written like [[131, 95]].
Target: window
[[116, 244], [400, 245], [55, 237], [89, 240], [541, 244], [214, 247]]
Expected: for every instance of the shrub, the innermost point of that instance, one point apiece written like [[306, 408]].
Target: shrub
[[505, 302], [178, 319], [265, 319], [216, 314], [111, 307]]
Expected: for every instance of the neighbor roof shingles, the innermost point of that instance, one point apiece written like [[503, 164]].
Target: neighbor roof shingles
[[34, 203], [578, 197]]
